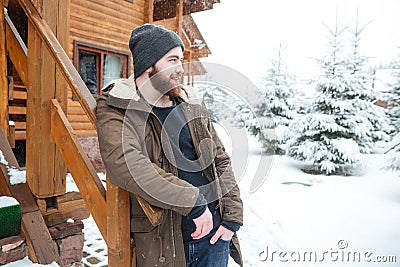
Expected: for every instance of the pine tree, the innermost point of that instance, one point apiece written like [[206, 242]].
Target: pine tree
[[394, 112], [331, 133], [394, 95], [277, 109], [364, 93], [226, 105]]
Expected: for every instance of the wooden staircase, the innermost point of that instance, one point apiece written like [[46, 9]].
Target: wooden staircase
[[109, 208]]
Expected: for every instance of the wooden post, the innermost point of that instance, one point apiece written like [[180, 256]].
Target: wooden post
[[179, 18], [45, 169], [118, 225], [190, 74], [3, 73], [149, 11]]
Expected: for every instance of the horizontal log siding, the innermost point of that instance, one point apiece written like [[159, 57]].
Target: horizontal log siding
[[106, 23]]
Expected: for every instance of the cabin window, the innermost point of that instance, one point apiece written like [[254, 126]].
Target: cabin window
[[98, 66]]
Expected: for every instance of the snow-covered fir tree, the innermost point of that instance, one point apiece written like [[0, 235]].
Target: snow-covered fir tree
[[278, 107], [393, 96], [394, 112], [226, 105], [329, 135], [394, 154], [361, 80]]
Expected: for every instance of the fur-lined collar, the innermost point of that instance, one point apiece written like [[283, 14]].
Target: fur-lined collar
[[122, 93]]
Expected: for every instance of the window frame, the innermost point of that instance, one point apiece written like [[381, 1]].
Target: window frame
[[101, 51]]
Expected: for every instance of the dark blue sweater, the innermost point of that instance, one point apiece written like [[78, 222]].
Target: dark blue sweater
[[189, 169]]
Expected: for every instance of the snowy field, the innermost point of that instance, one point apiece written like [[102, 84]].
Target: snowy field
[[297, 219]]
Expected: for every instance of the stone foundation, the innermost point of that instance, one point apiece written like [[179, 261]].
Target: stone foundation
[[69, 239], [12, 248], [91, 146]]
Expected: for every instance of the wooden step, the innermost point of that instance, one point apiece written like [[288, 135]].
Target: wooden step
[[19, 95], [82, 126], [20, 125], [76, 110], [20, 135], [77, 118], [86, 132], [17, 110]]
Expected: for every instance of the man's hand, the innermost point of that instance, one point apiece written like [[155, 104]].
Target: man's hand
[[204, 224], [222, 233]]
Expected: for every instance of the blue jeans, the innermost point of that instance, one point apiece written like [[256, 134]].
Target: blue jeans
[[203, 254]]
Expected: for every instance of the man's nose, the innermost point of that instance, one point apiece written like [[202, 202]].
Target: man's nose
[[179, 68]]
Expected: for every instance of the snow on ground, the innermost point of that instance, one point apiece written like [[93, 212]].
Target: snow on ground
[[292, 216]]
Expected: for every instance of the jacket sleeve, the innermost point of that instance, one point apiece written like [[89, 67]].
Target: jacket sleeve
[[128, 167], [231, 202]]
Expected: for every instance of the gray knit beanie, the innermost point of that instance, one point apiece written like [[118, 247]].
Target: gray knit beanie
[[149, 43]]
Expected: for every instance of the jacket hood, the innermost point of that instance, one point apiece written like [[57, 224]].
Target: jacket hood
[[123, 93]]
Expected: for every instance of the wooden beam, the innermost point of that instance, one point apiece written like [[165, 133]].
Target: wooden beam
[[179, 17], [190, 74], [69, 205], [61, 28], [149, 11], [3, 75], [68, 70], [45, 169], [17, 50], [11, 134], [16, 34], [118, 221], [41, 247], [7, 151], [81, 168]]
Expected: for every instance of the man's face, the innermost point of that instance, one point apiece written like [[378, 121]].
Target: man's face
[[167, 73]]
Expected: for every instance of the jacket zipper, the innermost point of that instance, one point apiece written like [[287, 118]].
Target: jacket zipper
[[173, 234]]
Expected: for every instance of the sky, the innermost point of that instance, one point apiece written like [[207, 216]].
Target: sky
[[245, 35]]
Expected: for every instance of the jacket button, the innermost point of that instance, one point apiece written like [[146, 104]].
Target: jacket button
[[161, 259]]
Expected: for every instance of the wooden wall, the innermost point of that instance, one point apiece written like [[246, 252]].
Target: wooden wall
[[102, 23], [105, 24]]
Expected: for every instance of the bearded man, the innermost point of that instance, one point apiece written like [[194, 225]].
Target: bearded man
[[158, 142]]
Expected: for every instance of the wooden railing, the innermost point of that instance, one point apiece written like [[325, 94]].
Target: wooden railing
[[17, 50]]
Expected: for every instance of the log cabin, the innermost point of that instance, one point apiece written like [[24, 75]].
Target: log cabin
[[98, 35], [55, 58]]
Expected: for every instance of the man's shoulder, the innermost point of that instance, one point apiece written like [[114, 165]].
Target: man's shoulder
[[122, 94], [191, 94]]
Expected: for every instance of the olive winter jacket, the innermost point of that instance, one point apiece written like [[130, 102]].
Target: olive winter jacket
[[138, 159]]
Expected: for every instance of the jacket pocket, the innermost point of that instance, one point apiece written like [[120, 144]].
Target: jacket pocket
[[140, 224]]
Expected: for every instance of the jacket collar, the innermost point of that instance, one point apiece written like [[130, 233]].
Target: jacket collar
[[122, 93]]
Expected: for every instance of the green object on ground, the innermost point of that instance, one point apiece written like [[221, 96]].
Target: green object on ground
[[10, 217]]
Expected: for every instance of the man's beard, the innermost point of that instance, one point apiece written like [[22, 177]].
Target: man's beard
[[163, 84]]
